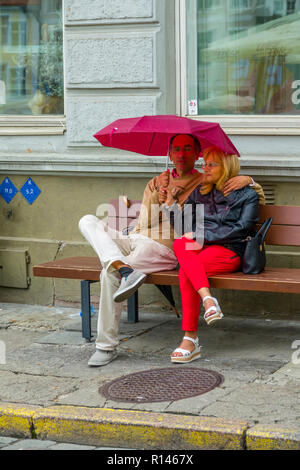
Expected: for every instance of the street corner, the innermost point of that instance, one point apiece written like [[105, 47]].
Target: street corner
[[272, 437]]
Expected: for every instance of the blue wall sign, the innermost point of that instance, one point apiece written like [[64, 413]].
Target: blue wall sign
[[8, 190], [30, 191]]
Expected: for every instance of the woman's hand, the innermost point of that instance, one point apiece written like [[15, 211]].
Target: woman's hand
[[189, 235], [237, 182], [162, 195], [193, 244], [169, 196]]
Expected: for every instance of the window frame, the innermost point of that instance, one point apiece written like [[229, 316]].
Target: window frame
[[241, 124], [46, 124]]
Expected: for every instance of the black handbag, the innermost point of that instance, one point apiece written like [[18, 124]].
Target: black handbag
[[254, 259]]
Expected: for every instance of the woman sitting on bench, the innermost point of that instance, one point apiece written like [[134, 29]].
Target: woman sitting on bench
[[212, 245]]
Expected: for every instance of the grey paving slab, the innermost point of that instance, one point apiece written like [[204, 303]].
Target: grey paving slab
[[67, 446], [34, 389], [5, 441], [34, 317], [63, 337], [30, 444], [9, 443]]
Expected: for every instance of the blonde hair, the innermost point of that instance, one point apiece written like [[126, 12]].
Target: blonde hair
[[230, 167]]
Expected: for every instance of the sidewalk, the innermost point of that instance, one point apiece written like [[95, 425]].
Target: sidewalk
[[11, 443], [48, 392]]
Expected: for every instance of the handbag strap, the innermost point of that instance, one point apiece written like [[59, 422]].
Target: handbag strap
[[264, 228]]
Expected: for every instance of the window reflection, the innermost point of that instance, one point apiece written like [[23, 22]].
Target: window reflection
[[247, 56], [31, 62]]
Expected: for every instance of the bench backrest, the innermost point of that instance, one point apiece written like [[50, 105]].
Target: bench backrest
[[285, 229]]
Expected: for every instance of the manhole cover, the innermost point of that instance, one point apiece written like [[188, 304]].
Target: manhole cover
[[161, 385]]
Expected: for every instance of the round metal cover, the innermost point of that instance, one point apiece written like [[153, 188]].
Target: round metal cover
[[156, 385]]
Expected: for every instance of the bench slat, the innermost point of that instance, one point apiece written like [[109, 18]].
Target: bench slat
[[282, 215], [81, 267], [283, 235], [270, 280], [86, 268]]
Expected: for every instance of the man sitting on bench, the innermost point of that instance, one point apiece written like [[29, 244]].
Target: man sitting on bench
[[126, 260]]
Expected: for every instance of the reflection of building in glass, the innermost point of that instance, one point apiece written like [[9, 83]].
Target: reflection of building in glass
[[19, 34], [26, 30], [247, 56]]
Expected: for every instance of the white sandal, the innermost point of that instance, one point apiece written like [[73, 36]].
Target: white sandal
[[187, 356], [215, 316]]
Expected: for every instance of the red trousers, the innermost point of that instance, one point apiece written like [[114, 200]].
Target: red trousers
[[195, 266]]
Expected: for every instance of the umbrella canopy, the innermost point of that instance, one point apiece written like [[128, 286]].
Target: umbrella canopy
[[280, 37], [150, 135]]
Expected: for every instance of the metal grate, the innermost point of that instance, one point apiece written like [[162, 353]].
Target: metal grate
[[158, 385], [269, 190]]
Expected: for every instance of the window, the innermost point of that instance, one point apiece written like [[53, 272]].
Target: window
[[242, 57], [31, 62]]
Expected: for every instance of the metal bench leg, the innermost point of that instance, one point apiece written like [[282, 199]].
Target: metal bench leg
[[133, 308], [86, 310]]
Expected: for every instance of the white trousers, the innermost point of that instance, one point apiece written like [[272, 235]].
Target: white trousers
[[140, 252]]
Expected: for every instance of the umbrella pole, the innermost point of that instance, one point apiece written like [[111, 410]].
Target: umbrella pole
[[167, 162]]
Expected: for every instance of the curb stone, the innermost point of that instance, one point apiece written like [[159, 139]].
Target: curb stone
[[267, 437], [16, 419], [141, 429], [121, 428]]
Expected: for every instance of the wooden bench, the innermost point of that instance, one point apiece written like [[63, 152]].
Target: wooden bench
[[285, 231]]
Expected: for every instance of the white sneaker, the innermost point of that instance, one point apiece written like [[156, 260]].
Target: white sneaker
[[129, 284], [101, 357]]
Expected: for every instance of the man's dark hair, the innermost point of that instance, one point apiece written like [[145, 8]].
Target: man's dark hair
[[195, 139]]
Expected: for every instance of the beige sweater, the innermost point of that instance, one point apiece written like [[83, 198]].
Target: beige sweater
[[153, 221]]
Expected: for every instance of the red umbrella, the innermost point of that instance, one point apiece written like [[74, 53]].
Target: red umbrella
[[150, 135]]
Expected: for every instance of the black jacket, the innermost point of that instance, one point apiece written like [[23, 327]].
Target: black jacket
[[227, 220]]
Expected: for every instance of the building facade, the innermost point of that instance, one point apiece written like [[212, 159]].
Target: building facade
[[68, 68]]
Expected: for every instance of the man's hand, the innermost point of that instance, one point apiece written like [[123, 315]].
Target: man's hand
[[237, 182], [163, 179]]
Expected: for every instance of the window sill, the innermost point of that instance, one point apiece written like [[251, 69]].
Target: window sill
[[32, 125], [111, 164], [255, 125]]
